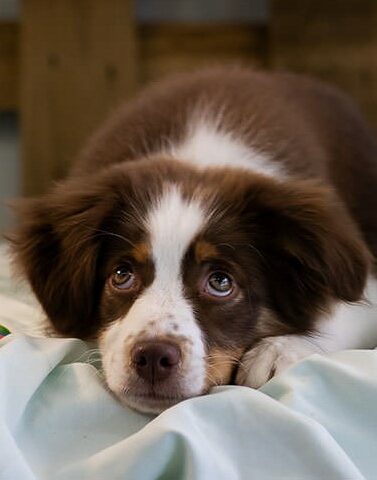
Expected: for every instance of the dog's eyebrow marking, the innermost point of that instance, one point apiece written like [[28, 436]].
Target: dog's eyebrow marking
[[141, 252], [204, 250]]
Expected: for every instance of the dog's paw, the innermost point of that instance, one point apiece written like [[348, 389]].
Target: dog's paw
[[271, 356]]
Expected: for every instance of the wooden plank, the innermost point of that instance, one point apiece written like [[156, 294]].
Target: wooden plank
[[336, 41], [9, 65], [171, 48], [77, 62]]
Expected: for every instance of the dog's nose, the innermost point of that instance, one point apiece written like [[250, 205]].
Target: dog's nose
[[155, 361]]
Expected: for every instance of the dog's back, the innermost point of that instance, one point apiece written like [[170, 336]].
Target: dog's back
[[303, 127]]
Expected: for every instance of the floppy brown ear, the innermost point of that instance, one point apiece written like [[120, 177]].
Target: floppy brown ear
[[312, 251], [57, 247]]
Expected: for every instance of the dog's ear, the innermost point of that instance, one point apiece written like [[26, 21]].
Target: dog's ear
[[311, 250], [57, 247]]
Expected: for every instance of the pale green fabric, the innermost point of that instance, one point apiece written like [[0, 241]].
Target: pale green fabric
[[58, 422], [318, 421], [10, 286], [19, 309]]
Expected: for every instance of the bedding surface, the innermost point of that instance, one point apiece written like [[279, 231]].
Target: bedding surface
[[317, 421], [58, 422], [19, 309]]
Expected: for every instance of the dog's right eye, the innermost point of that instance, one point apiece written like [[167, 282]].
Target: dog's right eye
[[123, 277]]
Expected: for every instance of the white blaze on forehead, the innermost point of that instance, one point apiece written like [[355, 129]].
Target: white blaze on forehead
[[206, 144], [172, 223]]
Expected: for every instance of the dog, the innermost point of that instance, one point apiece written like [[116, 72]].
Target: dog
[[218, 228]]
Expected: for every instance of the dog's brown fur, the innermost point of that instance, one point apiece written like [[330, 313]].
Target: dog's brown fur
[[312, 233]]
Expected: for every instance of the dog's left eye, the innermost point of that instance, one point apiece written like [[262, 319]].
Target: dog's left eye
[[219, 284], [123, 277]]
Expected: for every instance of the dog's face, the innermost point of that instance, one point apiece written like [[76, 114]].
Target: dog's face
[[179, 302], [177, 272]]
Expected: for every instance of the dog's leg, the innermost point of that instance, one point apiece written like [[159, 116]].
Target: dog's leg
[[349, 326]]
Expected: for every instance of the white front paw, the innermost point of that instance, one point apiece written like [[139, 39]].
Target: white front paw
[[271, 356]]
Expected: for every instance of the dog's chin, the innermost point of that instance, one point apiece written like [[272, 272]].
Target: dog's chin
[[152, 404]]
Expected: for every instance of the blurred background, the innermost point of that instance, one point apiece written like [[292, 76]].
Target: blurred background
[[65, 64]]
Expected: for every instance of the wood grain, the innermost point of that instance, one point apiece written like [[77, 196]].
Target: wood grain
[[78, 62], [334, 40], [170, 48], [9, 71]]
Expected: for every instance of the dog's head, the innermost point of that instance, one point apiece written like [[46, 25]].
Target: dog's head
[[178, 271]]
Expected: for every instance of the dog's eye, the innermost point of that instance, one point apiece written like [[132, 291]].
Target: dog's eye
[[219, 284], [123, 277]]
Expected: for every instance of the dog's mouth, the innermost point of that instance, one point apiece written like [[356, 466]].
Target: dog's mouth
[[150, 402]]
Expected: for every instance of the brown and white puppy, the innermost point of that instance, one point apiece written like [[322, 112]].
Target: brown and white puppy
[[217, 229]]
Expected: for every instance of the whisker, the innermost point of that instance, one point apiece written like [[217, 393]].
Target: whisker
[[226, 245], [256, 250], [219, 355], [112, 234], [212, 360], [212, 380]]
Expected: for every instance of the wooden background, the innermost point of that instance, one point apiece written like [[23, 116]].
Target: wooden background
[[67, 64], [335, 40]]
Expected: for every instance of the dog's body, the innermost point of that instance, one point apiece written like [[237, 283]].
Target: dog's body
[[222, 219]]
